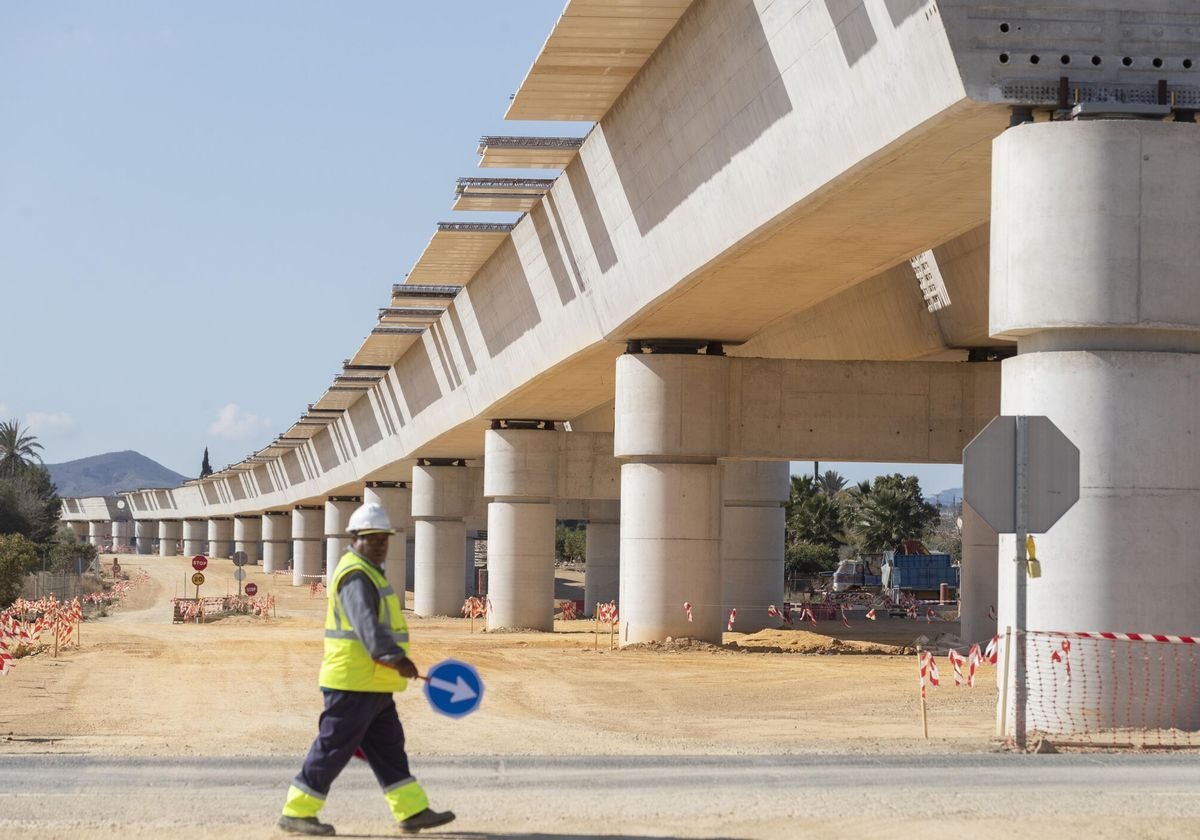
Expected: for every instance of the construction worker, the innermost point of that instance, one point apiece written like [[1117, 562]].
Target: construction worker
[[366, 660]]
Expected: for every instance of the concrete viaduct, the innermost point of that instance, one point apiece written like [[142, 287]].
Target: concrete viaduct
[[798, 229]]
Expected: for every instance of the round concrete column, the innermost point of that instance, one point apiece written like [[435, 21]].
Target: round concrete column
[[99, 533], [752, 523], [247, 531], [122, 534], [337, 516], [195, 537], [308, 542], [145, 532], [520, 476], [79, 529], [978, 578], [170, 532], [672, 424], [1093, 271], [276, 540], [440, 500], [602, 555], [396, 499], [220, 536]]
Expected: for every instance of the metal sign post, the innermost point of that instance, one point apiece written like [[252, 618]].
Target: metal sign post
[[1021, 474], [1021, 507]]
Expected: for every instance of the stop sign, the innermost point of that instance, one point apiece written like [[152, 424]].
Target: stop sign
[[251, 588], [199, 562]]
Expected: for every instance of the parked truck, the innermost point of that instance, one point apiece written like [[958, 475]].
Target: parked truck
[[918, 573]]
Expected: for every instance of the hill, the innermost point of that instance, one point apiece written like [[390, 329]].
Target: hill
[[103, 475]]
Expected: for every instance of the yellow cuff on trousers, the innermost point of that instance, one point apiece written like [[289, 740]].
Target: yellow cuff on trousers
[[405, 799], [302, 804]]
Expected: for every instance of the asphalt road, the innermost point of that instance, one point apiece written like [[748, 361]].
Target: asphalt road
[[553, 798]]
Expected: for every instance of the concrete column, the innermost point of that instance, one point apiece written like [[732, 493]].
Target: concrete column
[[99, 533], [122, 533], [195, 537], [1094, 272], [671, 425], [220, 536], [602, 555], [145, 532], [308, 543], [520, 476], [337, 540], [396, 499], [977, 584], [752, 522], [276, 540], [440, 500], [170, 532], [247, 532]]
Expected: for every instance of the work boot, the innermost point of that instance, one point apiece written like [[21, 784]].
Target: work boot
[[428, 818], [308, 825]]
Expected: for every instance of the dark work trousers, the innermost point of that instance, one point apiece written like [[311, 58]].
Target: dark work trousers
[[354, 719]]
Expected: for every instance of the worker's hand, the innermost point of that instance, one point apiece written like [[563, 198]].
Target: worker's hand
[[406, 667]]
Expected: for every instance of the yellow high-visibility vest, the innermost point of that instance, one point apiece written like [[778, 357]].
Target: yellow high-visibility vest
[[347, 666]]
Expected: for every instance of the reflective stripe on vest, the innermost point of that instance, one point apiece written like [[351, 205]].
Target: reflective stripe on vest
[[347, 666]]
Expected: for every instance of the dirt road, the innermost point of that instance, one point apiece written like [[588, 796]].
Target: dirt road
[[241, 691]]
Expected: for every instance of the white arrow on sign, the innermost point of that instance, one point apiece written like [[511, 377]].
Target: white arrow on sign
[[459, 690]]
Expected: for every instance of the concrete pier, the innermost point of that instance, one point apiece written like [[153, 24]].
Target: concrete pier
[[670, 425], [396, 498], [440, 501], [195, 537], [220, 536], [308, 542], [1093, 272], [276, 540], [337, 515], [145, 533], [752, 520], [170, 532], [602, 553], [247, 532], [520, 477]]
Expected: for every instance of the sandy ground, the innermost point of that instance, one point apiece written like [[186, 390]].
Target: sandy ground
[[140, 685], [142, 688]]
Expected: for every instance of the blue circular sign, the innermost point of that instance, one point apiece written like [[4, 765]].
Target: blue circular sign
[[453, 688]]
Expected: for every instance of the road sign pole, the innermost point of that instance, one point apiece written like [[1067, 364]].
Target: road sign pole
[[1022, 532]]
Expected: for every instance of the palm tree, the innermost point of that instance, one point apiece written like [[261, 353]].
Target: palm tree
[[831, 482], [18, 449]]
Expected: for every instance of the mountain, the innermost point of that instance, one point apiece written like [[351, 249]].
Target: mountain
[[103, 475], [948, 498]]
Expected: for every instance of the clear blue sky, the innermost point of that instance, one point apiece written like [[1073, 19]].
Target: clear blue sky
[[170, 172]]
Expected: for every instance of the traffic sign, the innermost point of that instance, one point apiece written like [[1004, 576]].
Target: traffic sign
[[239, 559], [251, 588], [990, 464], [453, 688], [239, 574], [199, 562], [198, 578]]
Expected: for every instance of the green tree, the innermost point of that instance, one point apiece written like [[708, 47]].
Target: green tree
[[205, 467], [70, 558], [891, 511], [831, 482], [804, 558], [18, 556], [570, 544], [18, 449], [29, 504]]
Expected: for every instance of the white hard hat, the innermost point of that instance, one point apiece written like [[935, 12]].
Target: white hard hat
[[370, 518]]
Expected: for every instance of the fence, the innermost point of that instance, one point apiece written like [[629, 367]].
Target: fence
[[65, 586], [1112, 689]]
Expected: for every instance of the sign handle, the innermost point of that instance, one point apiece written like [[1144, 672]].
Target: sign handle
[[1022, 523]]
